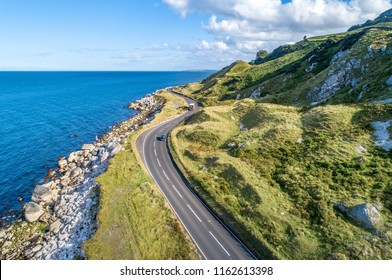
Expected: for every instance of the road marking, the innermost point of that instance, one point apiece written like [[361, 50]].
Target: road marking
[[161, 130], [177, 191], [167, 199], [195, 214], [154, 144], [165, 175], [219, 243], [159, 163], [155, 152]]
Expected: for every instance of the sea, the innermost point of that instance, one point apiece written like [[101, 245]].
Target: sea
[[46, 115]]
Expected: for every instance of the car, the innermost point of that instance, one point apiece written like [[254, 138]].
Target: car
[[162, 137]]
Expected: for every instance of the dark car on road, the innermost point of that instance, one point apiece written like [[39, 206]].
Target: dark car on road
[[162, 137]]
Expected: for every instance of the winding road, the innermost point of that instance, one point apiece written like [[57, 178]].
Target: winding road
[[213, 240]]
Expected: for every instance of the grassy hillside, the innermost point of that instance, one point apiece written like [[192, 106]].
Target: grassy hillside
[[276, 180], [284, 141], [350, 67]]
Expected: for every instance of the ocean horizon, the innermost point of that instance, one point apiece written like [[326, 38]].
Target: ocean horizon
[[48, 114]]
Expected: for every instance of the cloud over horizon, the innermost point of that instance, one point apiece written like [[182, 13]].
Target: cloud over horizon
[[242, 27]]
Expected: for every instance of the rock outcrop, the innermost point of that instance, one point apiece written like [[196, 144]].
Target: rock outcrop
[[343, 74], [366, 215], [382, 135], [389, 81]]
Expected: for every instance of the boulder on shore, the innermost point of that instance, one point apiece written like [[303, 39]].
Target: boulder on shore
[[65, 181], [51, 174], [88, 147], [73, 157], [105, 156], [76, 172], [43, 194], [62, 163], [33, 211]]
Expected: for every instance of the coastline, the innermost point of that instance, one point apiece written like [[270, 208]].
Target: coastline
[[61, 215]]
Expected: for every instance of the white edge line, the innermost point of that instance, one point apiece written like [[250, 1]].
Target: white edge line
[[177, 191], [219, 243], [165, 175], [194, 213], [168, 201]]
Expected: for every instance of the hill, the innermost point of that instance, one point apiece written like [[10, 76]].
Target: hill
[[294, 151], [351, 67]]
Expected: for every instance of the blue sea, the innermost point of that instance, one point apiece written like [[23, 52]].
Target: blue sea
[[39, 111]]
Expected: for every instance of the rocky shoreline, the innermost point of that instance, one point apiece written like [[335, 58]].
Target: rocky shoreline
[[62, 213]]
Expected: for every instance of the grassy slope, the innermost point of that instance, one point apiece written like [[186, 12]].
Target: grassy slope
[[278, 194], [135, 221], [283, 78]]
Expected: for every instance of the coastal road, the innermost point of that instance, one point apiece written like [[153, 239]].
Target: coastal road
[[212, 238]]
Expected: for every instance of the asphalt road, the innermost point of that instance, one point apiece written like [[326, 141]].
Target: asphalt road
[[212, 238]]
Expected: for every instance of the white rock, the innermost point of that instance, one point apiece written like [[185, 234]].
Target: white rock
[[65, 181], [381, 133], [77, 171], [55, 227], [42, 194], [240, 145], [116, 149], [73, 157], [105, 156], [36, 248], [361, 149], [231, 145], [62, 163], [88, 147], [33, 211], [365, 214]]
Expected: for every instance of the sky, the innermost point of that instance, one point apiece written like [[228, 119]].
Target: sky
[[158, 35]]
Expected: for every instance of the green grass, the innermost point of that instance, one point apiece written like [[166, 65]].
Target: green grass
[[281, 77], [278, 194], [135, 222]]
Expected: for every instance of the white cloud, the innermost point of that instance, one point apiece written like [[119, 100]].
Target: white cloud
[[241, 27], [179, 5], [221, 46]]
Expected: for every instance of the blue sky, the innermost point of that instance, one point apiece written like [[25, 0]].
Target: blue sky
[[162, 34]]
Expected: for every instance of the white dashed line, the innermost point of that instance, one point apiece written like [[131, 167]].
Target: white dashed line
[[219, 243], [155, 152], [165, 175], [159, 163], [194, 213], [177, 191]]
